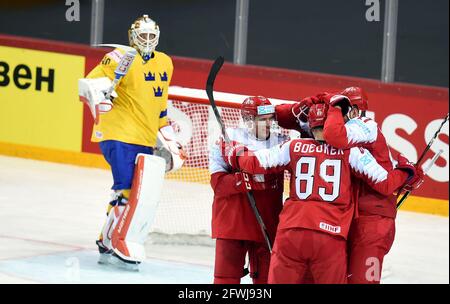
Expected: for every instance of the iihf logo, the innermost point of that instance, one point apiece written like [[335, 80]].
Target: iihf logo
[[149, 76], [163, 76], [158, 92]]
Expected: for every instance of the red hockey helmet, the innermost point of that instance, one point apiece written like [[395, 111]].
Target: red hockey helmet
[[358, 97], [255, 106], [317, 115]]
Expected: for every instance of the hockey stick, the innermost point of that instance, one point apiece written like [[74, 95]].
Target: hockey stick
[[425, 171], [407, 193], [121, 70], [123, 66], [215, 68]]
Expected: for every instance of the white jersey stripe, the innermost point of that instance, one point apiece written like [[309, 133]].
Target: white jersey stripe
[[276, 156], [362, 162]]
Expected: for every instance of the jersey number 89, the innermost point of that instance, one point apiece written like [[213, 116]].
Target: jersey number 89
[[308, 177]]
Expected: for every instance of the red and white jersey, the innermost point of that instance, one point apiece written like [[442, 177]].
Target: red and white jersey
[[232, 216], [363, 132], [321, 196], [240, 135]]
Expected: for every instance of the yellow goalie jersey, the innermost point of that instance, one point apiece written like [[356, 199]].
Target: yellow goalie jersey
[[141, 106]]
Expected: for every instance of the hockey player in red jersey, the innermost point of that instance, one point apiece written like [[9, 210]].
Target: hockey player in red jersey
[[316, 218], [373, 230], [234, 225]]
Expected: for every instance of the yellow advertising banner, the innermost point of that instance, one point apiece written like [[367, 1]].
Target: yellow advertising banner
[[39, 99]]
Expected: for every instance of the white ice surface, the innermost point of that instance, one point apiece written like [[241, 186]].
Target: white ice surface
[[50, 216]]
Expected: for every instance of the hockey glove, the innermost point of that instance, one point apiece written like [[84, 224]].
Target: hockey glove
[[231, 151], [301, 109], [335, 100], [416, 175], [256, 182]]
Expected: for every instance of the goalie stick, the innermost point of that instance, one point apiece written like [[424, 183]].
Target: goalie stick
[[123, 66], [407, 193], [215, 68]]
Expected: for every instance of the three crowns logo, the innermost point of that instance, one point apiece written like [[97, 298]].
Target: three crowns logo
[[163, 76], [158, 92], [149, 76]]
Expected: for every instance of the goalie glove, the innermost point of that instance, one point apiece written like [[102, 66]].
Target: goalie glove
[[92, 92], [170, 149]]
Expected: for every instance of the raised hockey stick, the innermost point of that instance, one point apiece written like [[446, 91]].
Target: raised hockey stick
[[407, 193], [121, 70], [123, 66], [215, 68]]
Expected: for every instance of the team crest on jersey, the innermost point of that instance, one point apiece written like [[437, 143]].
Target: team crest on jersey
[[149, 76], [158, 91], [163, 76]]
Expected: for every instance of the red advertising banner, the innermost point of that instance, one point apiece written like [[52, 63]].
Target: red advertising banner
[[408, 115]]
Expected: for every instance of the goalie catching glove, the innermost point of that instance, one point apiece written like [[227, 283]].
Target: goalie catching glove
[[170, 149], [93, 93]]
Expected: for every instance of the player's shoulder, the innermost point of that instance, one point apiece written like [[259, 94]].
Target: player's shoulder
[[281, 138], [365, 120], [163, 57], [111, 59], [236, 134], [114, 56], [367, 124]]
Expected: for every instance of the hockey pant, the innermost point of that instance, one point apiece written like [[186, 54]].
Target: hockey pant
[[230, 261], [301, 255], [370, 239]]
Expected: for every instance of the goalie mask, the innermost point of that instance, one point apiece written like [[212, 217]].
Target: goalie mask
[[258, 115], [144, 36]]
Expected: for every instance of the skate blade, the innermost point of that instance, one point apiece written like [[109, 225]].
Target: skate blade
[[104, 258], [117, 262]]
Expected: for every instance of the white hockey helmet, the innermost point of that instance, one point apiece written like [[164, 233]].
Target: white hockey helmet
[[144, 36]]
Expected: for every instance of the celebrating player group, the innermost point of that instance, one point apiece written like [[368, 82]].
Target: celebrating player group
[[338, 221]]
